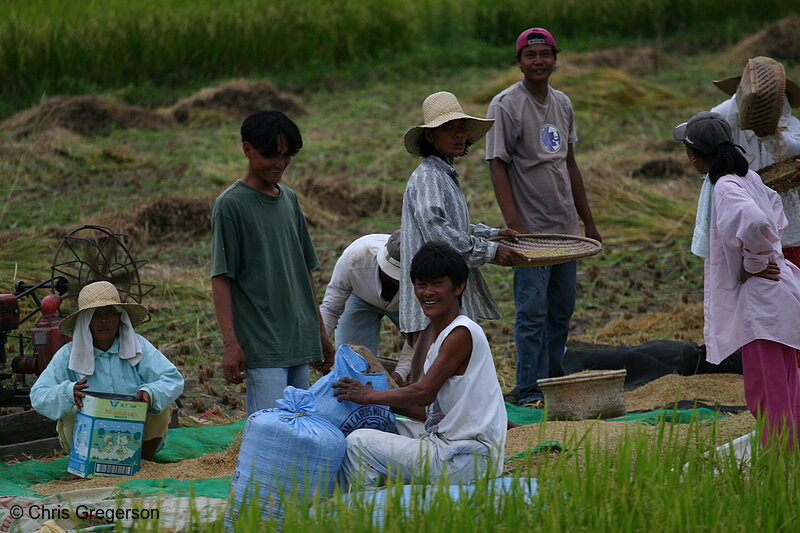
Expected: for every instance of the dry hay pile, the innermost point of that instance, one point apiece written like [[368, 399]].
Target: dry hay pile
[[615, 71], [661, 168], [341, 197], [780, 41], [683, 323], [606, 91], [14, 151], [161, 219], [51, 154], [645, 60], [169, 216], [87, 115], [236, 99]]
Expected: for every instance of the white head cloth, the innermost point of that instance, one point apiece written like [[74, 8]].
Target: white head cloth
[[81, 359]]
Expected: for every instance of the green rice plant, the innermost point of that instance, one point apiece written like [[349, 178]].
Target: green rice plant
[[660, 482], [58, 46]]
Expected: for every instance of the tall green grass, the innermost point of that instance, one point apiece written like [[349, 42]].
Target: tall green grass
[[658, 482], [57, 46]]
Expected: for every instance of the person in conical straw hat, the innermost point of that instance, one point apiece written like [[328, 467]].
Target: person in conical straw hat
[[435, 209], [106, 355], [759, 112]]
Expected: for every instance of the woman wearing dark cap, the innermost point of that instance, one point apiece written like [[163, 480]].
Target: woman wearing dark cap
[[752, 294]]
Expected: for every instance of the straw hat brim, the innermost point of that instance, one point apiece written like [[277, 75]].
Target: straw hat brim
[[729, 86], [136, 312], [476, 129]]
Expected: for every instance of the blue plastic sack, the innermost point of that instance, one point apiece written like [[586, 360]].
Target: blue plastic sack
[[349, 416], [287, 453]]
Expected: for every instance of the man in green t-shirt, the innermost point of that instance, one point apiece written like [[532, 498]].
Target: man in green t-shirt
[[261, 280]]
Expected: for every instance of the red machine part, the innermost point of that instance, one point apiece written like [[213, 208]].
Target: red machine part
[[47, 339], [9, 312]]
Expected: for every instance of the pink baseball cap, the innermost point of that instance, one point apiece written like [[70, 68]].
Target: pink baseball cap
[[525, 38]]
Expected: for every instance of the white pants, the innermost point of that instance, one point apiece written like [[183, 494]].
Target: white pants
[[411, 456]]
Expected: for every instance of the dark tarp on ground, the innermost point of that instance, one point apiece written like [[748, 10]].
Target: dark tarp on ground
[[647, 362]]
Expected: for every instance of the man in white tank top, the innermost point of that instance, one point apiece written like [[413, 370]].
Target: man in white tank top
[[458, 397]]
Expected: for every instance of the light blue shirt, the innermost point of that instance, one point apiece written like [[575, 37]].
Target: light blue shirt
[[52, 394]]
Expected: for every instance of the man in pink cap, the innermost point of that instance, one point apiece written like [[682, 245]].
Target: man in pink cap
[[540, 189]]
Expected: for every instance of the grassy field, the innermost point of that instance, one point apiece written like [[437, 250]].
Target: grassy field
[[152, 47], [657, 482], [157, 183], [353, 168], [357, 94]]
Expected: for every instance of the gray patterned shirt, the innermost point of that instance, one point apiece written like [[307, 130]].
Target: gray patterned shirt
[[434, 209]]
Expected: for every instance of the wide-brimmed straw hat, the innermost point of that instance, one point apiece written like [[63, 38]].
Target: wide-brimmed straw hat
[[440, 108], [759, 94], [101, 294]]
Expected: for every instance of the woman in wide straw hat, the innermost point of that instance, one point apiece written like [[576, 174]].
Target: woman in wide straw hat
[[434, 209], [752, 293], [106, 355]]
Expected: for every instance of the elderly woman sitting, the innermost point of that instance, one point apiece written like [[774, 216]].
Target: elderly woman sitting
[[106, 355]]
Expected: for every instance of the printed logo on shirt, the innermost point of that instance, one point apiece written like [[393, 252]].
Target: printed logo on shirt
[[550, 138]]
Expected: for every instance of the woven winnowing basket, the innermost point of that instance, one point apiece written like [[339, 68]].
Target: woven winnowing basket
[[760, 96], [585, 395], [781, 175], [550, 249]]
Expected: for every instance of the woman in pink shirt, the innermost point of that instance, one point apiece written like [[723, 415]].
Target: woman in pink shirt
[[752, 294]]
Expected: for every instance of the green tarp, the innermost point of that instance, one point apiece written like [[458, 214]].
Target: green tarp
[[703, 415], [182, 443]]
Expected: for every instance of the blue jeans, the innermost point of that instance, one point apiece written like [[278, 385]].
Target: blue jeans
[[544, 299], [360, 323], [265, 385]]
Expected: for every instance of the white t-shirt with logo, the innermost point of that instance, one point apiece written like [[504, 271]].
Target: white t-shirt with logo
[[533, 139]]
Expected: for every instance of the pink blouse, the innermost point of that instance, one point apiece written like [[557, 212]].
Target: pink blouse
[[746, 224]]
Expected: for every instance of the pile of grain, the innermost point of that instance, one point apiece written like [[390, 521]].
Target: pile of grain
[[723, 389], [209, 466], [607, 435]]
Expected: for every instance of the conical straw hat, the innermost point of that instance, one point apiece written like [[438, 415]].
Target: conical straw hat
[[759, 94]]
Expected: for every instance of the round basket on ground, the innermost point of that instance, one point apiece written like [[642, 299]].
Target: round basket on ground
[[550, 249], [781, 175], [585, 395]]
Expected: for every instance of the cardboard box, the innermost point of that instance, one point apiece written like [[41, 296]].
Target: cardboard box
[[107, 439]]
